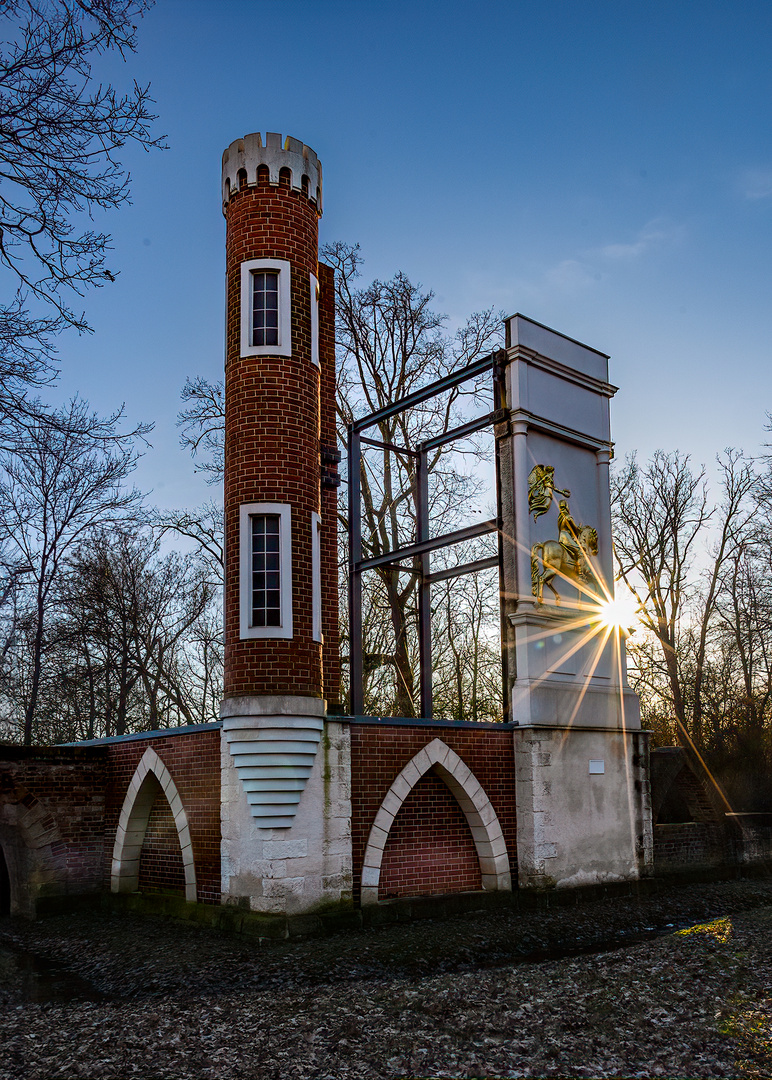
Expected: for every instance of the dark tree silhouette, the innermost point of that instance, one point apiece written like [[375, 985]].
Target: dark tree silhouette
[[61, 131]]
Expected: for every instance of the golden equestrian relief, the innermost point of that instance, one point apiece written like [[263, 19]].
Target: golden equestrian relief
[[566, 557]]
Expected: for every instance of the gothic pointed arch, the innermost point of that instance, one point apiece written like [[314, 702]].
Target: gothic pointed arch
[[150, 778], [470, 796], [31, 842]]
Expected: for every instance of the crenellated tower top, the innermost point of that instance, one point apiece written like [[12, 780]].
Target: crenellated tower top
[[244, 157]]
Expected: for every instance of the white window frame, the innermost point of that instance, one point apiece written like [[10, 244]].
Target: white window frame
[[282, 268], [316, 577], [315, 322], [246, 512]]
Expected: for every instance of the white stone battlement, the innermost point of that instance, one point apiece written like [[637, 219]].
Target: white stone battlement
[[248, 154]]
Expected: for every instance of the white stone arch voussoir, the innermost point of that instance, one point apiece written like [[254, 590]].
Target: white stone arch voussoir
[[469, 794], [151, 774]]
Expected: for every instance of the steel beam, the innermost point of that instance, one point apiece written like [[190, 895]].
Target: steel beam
[[424, 594], [356, 666], [426, 392], [425, 546], [463, 568]]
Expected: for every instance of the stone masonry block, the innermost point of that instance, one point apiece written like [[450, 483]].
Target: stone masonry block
[[378, 838], [384, 820], [401, 788], [338, 846], [371, 875], [487, 814], [333, 864], [411, 774], [391, 803], [440, 751], [422, 761], [283, 888], [285, 849]]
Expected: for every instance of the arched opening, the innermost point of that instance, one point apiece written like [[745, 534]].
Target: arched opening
[[263, 174], [430, 850], [161, 869], [152, 781], [285, 177], [5, 886], [468, 793]]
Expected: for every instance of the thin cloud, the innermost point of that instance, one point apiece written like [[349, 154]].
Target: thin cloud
[[756, 184], [571, 275], [590, 266], [651, 236]]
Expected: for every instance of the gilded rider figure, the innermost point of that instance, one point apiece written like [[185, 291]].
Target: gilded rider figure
[[569, 533]]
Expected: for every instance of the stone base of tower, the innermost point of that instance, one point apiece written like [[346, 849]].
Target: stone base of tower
[[286, 805], [583, 806]]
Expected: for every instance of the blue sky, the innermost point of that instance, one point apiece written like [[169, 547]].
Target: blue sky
[[605, 168]]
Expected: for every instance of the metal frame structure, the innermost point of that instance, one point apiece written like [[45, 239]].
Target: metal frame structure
[[494, 362]]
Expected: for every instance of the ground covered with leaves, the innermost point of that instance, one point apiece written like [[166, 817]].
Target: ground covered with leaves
[[677, 985]]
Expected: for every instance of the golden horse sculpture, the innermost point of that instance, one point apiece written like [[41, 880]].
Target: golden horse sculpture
[[569, 562]]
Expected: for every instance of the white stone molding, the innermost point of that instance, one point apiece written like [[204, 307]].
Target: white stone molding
[[151, 776], [470, 796], [282, 269], [284, 513], [314, 288], [316, 577]]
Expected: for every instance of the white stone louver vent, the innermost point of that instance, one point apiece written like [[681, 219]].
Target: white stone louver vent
[[273, 756]]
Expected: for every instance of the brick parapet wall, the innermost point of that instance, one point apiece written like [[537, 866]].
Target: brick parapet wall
[[52, 820], [689, 845], [193, 760], [430, 816]]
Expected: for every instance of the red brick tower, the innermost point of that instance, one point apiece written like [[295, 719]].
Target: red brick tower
[[281, 638]]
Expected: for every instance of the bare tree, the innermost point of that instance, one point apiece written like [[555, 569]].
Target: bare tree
[[202, 426], [663, 520], [660, 512], [390, 343], [466, 647], [62, 487], [62, 131]]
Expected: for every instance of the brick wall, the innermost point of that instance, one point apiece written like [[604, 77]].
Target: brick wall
[[688, 846], [160, 864], [329, 547], [272, 433], [193, 760], [52, 820], [430, 848]]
